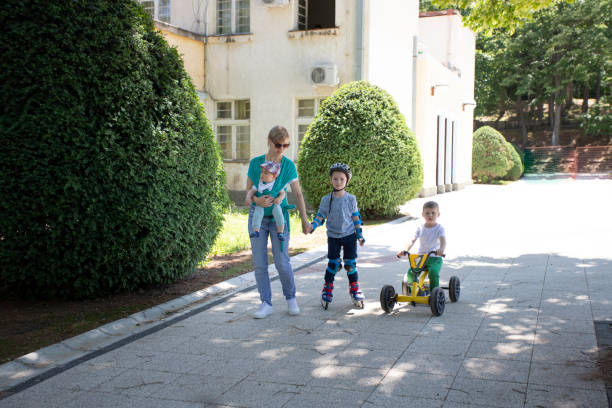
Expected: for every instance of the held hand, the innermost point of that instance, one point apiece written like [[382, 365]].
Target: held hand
[[306, 227], [439, 252], [264, 201]]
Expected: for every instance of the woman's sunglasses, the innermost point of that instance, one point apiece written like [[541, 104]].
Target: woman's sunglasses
[[279, 145]]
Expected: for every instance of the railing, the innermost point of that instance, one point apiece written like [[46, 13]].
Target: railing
[[569, 160]]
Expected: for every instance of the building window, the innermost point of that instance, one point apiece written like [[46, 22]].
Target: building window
[[233, 125], [163, 11], [149, 7], [158, 9], [306, 110], [233, 16], [314, 14]]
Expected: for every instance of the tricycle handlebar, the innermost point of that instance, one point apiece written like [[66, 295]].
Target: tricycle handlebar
[[406, 253]]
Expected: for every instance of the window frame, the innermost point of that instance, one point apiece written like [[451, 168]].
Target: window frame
[[165, 16], [304, 120], [302, 18], [234, 17], [235, 125]]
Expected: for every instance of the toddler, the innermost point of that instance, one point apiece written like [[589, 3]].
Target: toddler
[[269, 172], [432, 237]]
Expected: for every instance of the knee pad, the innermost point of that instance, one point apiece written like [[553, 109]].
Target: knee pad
[[334, 265], [350, 265]]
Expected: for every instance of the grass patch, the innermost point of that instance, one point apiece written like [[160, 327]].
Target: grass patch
[[234, 236]]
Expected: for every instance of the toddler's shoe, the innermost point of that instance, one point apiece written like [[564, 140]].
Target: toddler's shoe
[[293, 307], [264, 311], [254, 234], [281, 236]]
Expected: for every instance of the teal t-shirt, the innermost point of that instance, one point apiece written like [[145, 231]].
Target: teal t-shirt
[[288, 173]]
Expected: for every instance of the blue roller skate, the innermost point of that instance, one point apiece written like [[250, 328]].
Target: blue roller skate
[[356, 295], [326, 294]]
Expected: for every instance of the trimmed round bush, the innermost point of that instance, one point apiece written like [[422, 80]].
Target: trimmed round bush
[[490, 157], [360, 125], [110, 177], [516, 171]]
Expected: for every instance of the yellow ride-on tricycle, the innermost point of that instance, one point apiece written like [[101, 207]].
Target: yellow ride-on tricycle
[[417, 291]]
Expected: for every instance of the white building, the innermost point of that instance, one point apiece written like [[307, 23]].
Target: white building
[[259, 63]]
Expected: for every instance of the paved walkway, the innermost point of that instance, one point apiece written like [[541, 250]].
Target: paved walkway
[[534, 261]]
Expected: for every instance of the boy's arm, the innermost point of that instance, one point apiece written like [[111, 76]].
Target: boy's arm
[[442, 246], [410, 244], [280, 197], [358, 230]]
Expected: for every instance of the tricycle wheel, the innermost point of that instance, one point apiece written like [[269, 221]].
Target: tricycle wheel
[[436, 301], [406, 289], [454, 288], [387, 298]]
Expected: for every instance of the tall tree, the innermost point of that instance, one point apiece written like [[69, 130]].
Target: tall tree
[[487, 15], [562, 45]]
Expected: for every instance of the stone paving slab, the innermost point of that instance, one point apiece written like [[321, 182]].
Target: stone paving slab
[[521, 335]]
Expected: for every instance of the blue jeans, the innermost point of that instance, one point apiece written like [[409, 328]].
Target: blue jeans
[[259, 249]]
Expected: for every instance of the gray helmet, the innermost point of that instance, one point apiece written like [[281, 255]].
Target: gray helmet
[[343, 168]]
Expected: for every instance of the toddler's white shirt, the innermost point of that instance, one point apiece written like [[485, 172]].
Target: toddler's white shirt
[[429, 238]]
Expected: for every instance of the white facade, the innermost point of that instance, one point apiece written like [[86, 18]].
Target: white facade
[[257, 79], [445, 100]]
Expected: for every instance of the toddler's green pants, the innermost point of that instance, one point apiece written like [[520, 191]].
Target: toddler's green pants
[[434, 264]]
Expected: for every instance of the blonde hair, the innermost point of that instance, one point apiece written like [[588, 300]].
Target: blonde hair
[[278, 134]]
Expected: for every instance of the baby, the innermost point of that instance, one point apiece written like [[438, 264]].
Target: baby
[[269, 172]]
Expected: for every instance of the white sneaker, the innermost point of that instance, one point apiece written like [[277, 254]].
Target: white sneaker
[[294, 310], [264, 311]]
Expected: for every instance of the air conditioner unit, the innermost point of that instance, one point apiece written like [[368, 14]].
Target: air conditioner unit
[[324, 75], [275, 3]]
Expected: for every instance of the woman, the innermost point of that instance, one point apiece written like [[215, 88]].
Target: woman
[[278, 142]]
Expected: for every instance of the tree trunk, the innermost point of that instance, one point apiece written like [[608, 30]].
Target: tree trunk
[[557, 125], [540, 112], [556, 128], [569, 93], [585, 98], [551, 108], [523, 125], [598, 87]]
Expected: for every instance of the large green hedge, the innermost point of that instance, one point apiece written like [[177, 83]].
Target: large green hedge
[[516, 171], [110, 177], [360, 125], [490, 156]]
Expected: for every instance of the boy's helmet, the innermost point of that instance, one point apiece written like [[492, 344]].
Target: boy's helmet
[[343, 168]]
